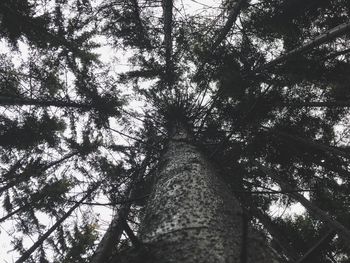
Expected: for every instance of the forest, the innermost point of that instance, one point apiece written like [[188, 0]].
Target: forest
[[168, 131]]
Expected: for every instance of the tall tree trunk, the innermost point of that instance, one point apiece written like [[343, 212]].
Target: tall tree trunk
[[191, 215]]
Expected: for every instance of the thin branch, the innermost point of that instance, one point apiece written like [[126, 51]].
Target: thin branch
[[135, 139], [20, 179], [277, 234], [41, 240], [12, 213], [321, 39], [168, 41], [319, 104], [134, 240], [325, 148], [6, 100], [341, 230], [113, 234], [315, 248], [128, 201], [234, 12]]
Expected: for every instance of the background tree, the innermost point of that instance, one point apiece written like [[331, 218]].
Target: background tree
[[262, 86]]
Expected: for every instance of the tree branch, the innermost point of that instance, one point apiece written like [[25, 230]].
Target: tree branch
[[41, 240], [234, 12], [341, 230], [321, 39]]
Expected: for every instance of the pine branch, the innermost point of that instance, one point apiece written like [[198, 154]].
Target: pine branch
[[135, 139], [11, 171], [316, 145], [12, 213], [277, 192], [134, 240], [319, 104], [277, 234], [234, 12], [128, 201], [42, 239], [317, 41], [341, 230], [51, 37], [168, 41], [6, 100], [20, 179], [143, 32], [339, 53], [318, 246], [113, 234]]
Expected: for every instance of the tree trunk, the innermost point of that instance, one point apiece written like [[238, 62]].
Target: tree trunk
[[191, 215]]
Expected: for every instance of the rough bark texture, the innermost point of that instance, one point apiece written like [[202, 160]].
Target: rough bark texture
[[191, 216]]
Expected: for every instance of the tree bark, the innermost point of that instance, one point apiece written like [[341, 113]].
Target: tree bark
[[191, 215]]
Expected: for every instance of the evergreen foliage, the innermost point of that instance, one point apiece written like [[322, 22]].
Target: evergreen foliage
[[263, 87]]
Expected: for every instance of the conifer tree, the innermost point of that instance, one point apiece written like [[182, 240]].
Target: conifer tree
[[178, 144]]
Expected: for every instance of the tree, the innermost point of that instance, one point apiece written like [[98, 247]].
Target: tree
[[243, 109]]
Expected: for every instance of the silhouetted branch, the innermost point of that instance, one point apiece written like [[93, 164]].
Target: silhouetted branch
[[41, 240]]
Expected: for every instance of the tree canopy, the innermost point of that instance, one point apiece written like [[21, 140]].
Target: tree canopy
[[89, 87]]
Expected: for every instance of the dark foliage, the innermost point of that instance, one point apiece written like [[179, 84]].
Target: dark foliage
[[270, 113]]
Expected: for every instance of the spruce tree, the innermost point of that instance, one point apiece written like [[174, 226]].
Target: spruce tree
[[177, 145]]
